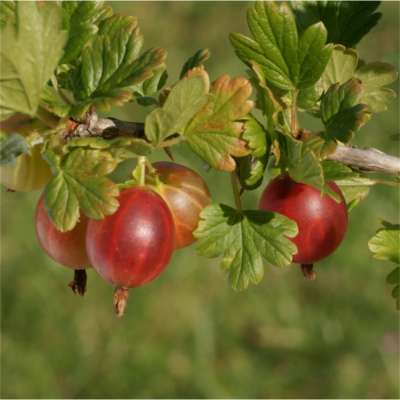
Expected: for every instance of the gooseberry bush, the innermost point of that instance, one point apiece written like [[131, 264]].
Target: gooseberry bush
[[64, 65]]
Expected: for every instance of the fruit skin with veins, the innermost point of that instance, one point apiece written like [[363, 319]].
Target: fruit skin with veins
[[30, 172], [186, 194], [66, 248], [134, 245], [321, 221]]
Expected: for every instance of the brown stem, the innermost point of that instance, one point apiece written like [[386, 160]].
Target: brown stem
[[308, 271], [365, 159], [78, 284], [120, 299]]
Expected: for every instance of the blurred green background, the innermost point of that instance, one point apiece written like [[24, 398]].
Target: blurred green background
[[188, 334]]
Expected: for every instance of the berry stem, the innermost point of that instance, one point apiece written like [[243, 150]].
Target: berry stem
[[120, 299], [308, 271], [236, 190], [142, 170], [78, 284]]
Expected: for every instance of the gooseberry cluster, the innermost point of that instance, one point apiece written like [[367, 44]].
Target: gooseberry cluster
[[134, 245]]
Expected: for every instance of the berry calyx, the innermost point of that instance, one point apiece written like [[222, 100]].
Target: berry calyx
[[186, 194], [321, 221]]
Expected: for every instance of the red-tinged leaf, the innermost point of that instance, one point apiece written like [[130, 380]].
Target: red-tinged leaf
[[215, 133]]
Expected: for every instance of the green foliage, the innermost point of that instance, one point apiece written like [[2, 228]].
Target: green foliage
[[11, 146], [215, 133], [111, 65], [244, 238], [385, 245], [347, 22], [196, 60], [287, 61], [252, 167], [373, 77], [301, 162], [354, 187], [341, 111], [80, 182], [186, 98], [29, 53], [81, 19]]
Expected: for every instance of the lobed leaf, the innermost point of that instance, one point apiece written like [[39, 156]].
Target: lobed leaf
[[340, 68], [196, 60], [186, 98], [243, 239], [214, 133], [385, 244], [374, 77], [347, 22], [80, 182], [287, 62], [111, 65], [37, 35], [81, 19], [341, 111]]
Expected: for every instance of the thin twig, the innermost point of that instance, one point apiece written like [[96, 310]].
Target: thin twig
[[363, 159]]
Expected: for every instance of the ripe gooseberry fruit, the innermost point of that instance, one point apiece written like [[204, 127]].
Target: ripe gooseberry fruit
[[66, 248], [321, 221], [30, 172], [186, 194], [134, 245]]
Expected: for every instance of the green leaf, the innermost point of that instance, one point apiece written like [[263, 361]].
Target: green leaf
[[267, 101], [354, 187], [313, 56], [197, 59], [11, 146], [341, 111], [385, 244], [251, 171], [374, 77], [243, 239], [346, 21], [340, 68], [152, 85], [255, 135], [215, 132], [308, 98], [287, 62], [251, 168], [54, 102], [81, 19], [29, 54], [334, 171], [394, 277], [301, 162], [186, 98], [111, 65], [80, 182]]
